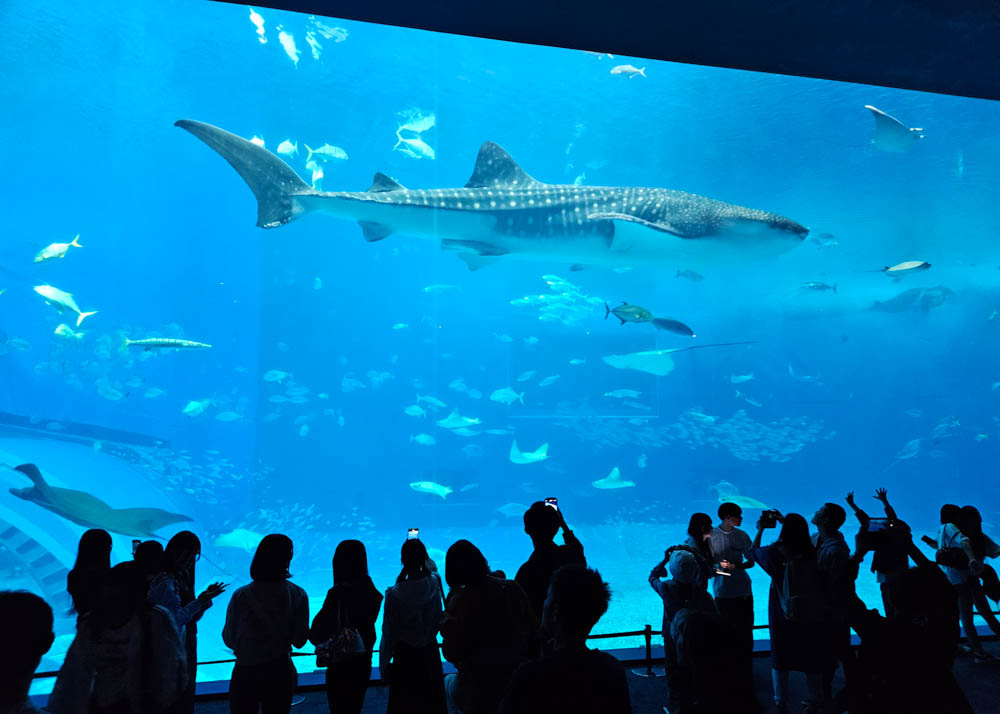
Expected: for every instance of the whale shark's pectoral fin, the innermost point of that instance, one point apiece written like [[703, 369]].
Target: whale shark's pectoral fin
[[374, 231], [382, 183], [495, 167], [475, 254], [622, 221], [475, 261]]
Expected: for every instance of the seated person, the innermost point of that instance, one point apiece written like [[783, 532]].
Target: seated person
[[26, 624], [572, 679]]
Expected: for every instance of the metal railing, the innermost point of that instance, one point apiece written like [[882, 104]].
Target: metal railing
[[647, 633]]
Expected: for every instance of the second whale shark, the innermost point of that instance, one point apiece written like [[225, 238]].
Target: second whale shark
[[502, 211]]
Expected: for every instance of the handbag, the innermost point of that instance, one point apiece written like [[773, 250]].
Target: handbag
[[345, 642]]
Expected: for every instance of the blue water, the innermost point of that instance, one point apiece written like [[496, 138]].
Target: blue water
[[170, 249]]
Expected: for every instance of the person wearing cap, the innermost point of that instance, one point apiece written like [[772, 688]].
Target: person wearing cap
[[682, 590]]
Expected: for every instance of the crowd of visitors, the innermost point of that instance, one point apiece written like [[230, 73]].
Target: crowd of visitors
[[519, 645]]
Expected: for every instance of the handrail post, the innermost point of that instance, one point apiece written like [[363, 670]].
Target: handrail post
[[649, 670]]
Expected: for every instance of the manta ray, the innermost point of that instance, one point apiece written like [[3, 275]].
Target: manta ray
[[503, 211], [891, 134], [91, 512]]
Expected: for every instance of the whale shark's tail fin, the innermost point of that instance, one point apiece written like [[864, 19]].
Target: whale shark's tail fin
[[32, 472], [272, 181]]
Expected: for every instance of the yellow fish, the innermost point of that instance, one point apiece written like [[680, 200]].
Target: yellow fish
[[56, 250]]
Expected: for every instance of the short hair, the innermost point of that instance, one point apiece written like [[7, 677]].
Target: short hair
[[699, 524], [350, 562], [273, 557], [149, 557], [950, 513], [836, 515], [26, 623], [464, 565], [729, 509], [541, 521], [581, 596]]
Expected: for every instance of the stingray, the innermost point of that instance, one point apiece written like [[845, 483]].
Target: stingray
[[658, 362], [91, 512], [891, 134], [922, 299], [728, 493], [612, 480]]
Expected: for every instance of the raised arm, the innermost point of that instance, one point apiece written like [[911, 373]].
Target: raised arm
[[882, 496], [862, 517]]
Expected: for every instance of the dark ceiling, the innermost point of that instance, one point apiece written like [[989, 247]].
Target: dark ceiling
[[948, 46]]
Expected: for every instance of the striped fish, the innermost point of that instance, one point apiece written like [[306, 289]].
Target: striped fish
[[150, 343]]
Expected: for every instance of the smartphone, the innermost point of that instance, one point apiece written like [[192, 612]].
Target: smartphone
[[722, 572], [877, 524], [929, 541], [553, 502], [135, 545], [412, 533]]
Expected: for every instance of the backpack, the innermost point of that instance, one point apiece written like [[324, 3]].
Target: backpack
[[801, 592]]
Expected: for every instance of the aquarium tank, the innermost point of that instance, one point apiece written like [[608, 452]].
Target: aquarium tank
[[450, 277]]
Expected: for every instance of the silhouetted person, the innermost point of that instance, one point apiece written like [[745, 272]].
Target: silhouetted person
[[971, 524], [890, 545], [731, 549], [571, 679], [833, 558], [684, 590], [93, 561], [26, 624], [264, 621], [487, 631], [148, 557], [352, 602], [127, 656], [698, 540], [952, 544], [408, 656], [905, 661], [542, 523], [173, 588], [702, 642], [799, 637]]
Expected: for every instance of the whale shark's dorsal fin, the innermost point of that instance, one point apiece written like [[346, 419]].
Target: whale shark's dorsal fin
[[382, 183], [495, 167]]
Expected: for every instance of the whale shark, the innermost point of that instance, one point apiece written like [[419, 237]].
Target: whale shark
[[503, 211]]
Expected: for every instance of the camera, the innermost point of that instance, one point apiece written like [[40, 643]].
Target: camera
[[769, 519], [412, 533]]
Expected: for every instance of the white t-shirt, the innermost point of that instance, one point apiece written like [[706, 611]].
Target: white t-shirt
[[950, 537], [734, 546]]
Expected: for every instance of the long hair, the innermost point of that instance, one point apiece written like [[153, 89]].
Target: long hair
[[970, 522], [94, 550], [273, 557], [413, 555], [350, 563], [794, 538], [465, 565]]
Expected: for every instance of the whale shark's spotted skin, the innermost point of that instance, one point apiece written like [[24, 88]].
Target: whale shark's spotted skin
[[503, 210]]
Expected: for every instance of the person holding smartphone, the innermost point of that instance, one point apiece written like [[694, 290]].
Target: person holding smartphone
[[542, 521], [732, 550]]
